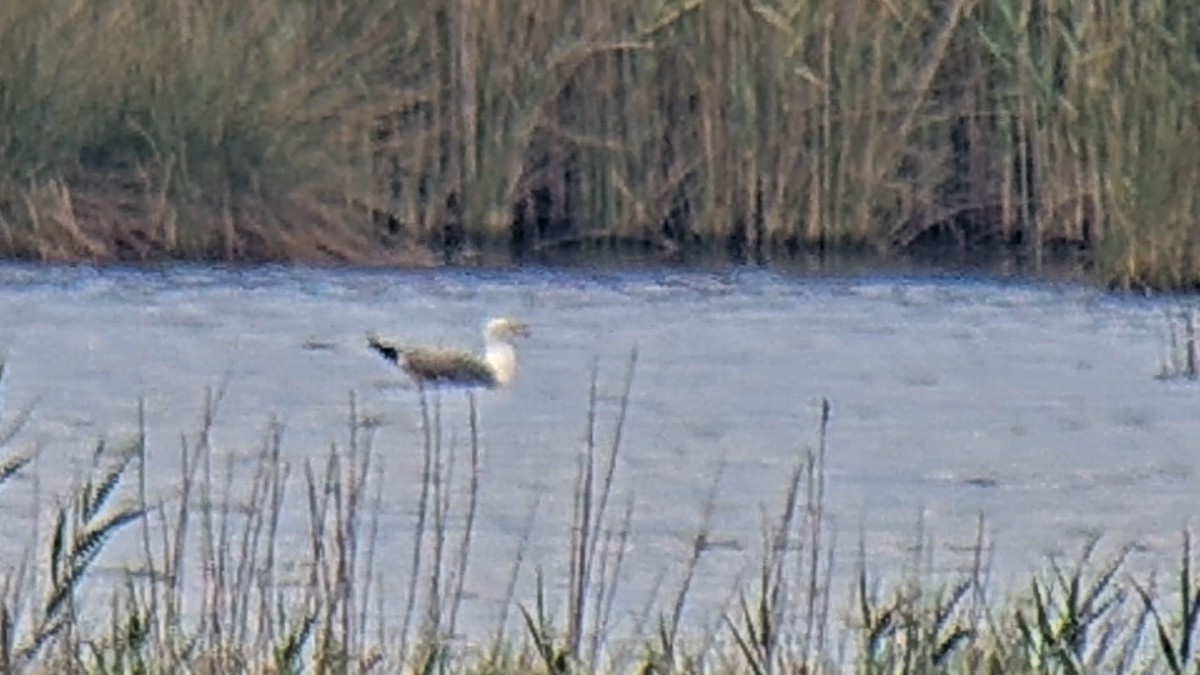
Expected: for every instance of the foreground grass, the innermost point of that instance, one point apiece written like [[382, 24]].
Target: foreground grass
[[209, 591], [374, 131]]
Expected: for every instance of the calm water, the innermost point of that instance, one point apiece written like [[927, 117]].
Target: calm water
[[1035, 405]]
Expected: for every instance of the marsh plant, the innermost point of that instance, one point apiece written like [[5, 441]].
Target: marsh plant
[[1180, 358], [333, 130], [211, 585]]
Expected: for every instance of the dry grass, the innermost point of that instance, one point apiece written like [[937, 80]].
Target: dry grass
[[373, 131], [217, 130], [672, 124]]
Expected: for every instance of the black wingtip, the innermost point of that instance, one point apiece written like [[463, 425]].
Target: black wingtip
[[387, 351]]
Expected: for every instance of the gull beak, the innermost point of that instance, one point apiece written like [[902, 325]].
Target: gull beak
[[521, 329]]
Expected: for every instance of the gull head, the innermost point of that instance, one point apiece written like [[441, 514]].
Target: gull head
[[505, 330]]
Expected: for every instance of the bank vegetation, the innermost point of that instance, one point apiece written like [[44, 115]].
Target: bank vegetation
[[414, 132]]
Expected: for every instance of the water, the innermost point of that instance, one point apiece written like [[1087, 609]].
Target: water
[[1032, 404]]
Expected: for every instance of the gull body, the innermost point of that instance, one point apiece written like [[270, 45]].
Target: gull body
[[495, 368]]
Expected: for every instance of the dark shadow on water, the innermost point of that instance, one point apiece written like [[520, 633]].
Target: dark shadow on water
[[929, 262], [924, 262]]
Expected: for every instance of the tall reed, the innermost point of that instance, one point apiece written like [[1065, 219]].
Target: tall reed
[[217, 585], [328, 130], [137, 129]]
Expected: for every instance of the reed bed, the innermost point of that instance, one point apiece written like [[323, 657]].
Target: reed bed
[[213, 589], [397, 131]]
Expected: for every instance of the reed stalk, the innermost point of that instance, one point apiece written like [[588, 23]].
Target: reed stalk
[[396, 131], [210, 591]]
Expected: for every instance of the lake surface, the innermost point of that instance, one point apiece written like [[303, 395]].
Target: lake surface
[[1034, 404]]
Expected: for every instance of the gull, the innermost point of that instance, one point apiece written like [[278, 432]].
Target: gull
[[459, 368]]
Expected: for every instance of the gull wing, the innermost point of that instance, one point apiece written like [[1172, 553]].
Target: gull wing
[[446, 366], [387, 349], [436, 366]]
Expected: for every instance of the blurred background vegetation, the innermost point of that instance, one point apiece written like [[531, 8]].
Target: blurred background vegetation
[[413, 132]]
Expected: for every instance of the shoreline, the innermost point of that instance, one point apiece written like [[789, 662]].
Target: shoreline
[[992, 265]]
